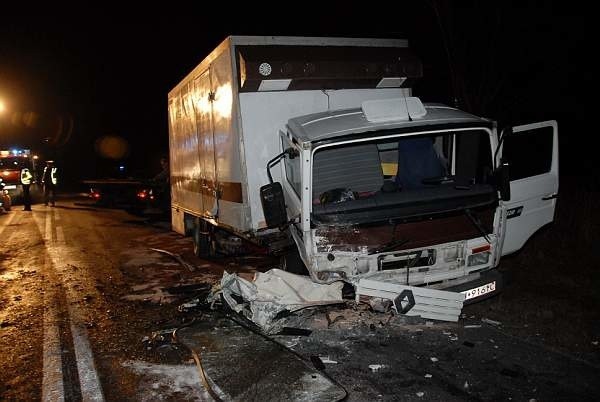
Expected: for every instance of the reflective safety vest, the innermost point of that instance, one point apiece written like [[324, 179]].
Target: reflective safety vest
[[53, 175], [26, 176]]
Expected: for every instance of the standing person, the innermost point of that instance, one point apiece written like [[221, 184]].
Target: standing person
[[26, 178], [49, 180]]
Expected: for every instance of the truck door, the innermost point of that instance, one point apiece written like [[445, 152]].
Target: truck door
[[532, 152], [206, 149]]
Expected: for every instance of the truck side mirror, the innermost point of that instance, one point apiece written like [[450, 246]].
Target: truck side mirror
[[504, 181], [273, 204]]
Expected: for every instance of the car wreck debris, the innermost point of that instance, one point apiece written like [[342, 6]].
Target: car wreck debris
[[273, 293], [177, 258], [414, 301]]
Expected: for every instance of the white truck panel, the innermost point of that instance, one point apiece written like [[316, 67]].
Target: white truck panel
[[263, 114]]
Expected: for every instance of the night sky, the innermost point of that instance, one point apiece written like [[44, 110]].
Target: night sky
[[70, 78]]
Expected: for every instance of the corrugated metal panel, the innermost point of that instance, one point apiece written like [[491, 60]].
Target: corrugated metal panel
[[429, 303]]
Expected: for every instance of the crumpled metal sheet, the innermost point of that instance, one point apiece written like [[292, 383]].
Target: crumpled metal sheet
[[273, 292]]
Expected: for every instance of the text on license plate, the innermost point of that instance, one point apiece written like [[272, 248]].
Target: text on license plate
[[479, 291]]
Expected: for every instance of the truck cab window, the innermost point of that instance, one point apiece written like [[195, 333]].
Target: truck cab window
[[529, 153]]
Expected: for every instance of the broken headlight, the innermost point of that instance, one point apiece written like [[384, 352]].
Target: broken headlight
[[478, 259]]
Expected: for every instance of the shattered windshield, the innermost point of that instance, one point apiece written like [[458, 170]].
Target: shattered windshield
[[403, 171]]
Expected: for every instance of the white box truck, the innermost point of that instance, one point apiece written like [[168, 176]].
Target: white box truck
[[320, 142]]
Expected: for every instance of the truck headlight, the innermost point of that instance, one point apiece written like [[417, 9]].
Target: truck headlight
[[478, 259]]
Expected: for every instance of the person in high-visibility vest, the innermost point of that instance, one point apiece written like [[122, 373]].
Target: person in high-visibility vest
[[50, 180], [26, 178]]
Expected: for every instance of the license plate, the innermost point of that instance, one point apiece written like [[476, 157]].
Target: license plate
[[479, 291], [10, 187]]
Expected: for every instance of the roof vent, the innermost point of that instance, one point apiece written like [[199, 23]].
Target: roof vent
[[382, 110]]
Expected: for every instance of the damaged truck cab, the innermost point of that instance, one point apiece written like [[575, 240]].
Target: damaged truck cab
[[415, 194], [320, 143]]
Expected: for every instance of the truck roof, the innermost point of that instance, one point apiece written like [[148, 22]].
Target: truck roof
[[295, 57], [338, 123]]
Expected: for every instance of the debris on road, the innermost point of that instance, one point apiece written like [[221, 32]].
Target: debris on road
[[376, 367], [272, 293], [271, 372], [177, 257], [434, 359], [472, 326], [428, 376], [413, 301], [491, 322], [327, 360], [420, 394]]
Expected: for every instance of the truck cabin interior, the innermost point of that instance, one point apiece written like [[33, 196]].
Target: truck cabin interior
[[401, 177]]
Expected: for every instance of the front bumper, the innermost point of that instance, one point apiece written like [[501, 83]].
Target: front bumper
[[484, 279]]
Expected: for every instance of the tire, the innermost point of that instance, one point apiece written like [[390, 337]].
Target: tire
[[203, 240], [292, 263]]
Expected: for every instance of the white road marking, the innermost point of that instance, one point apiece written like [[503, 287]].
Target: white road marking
[[11, 217], [52, 377], [91, 389], [88, 376], [48, 231], [60, 235]]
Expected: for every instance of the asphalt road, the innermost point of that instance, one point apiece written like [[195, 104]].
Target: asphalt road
[[83, 299]]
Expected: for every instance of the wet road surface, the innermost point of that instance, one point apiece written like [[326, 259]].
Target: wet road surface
[[81, 293]]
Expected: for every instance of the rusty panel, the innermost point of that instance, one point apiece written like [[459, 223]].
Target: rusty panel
[[419, 234]]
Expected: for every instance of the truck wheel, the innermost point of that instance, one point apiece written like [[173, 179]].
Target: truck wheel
[[292, 263], [203, 241]]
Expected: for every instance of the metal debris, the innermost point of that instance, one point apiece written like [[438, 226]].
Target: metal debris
[[177, 257], [491, 322], [273, 293]]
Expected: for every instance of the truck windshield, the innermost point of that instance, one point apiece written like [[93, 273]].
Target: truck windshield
[[402, 176]]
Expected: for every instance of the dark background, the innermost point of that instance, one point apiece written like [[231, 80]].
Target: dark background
[[69, 77]]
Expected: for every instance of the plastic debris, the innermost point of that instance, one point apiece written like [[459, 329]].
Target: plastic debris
[[376, 367], [420, 394], [327, 360], [434, 359], [428, 376], [466, 385], [380, 305], [272, 293]]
